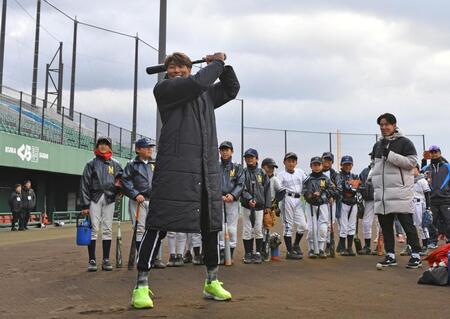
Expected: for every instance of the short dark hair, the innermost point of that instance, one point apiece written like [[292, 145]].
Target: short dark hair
[[390, 118], [17, 185], [178, 58]]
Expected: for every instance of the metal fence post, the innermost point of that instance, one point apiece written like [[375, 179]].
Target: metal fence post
[[423, 142], [120, 142], [95, 131], [285, 142], [330, 142], [79, 130], [20, 112], [42, 120], [62, 127]]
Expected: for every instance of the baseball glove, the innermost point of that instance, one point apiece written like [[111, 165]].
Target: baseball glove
[[269, 219]]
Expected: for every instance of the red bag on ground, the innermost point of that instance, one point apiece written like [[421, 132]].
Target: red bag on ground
[[438, 255]]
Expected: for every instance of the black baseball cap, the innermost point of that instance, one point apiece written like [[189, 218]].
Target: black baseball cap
[[346, 159], [251, 152], [316, 160], [328, 155], [290, 155], [144, 142], [106, 139], [269, 162], [226, 144]]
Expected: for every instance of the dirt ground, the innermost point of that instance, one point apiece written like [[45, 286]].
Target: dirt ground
[[43, 275]]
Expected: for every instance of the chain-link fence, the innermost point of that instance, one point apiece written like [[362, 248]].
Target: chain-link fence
[[276, 142], [42, 121]]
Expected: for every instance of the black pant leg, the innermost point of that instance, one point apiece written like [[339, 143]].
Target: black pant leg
[[411, 231], [445, 216], [151, 241], [210, 246], [22, 219], [15, 218], [387, 227], [26, 218]]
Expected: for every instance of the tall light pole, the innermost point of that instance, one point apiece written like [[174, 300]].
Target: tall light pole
[[2, 42], [161, 54], [242, 130], [36, 54]]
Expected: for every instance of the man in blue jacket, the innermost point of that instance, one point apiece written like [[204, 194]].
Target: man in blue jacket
[[438, 174]]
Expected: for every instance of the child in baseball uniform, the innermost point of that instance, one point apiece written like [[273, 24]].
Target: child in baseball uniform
[[422, 202], [255, 201], [348, 186], [330, 172], [292, 179], [99, 188], [137, 184], [177, 244], [367, 193], [318, 192], [232, 187]]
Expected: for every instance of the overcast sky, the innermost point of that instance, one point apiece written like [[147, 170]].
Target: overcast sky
[[303, 65]]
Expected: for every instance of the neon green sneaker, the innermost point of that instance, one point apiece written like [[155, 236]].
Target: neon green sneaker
[[141, 298], [215, 291]]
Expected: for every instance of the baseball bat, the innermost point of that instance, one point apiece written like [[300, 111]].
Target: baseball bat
[[119, 260], [226, 236], [356, 239], [380, 244], [332, 245], [162, 68], [132, 255]]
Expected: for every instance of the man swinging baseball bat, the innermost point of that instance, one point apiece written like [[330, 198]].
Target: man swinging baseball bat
[[185, 195]]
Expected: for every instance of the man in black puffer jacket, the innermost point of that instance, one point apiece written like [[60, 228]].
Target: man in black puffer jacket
[[186, 192]]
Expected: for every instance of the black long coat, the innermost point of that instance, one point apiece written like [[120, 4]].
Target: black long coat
[[187, 180]]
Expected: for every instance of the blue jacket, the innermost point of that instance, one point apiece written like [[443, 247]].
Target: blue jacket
[[438, 175], [137, 178], [232, 179]]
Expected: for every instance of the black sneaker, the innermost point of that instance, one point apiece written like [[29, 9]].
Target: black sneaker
[[312, 255], [343, 252], [187, 259], [106, 265], [292, 255], [248, 258], [414, 263], [92, 266], [388, 261], [350, 252], [365, 251], [322, 254], [158, 264], [13, 229], [257, 259], [171, 262], [297, 250], [178, 260], [198, 260]]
